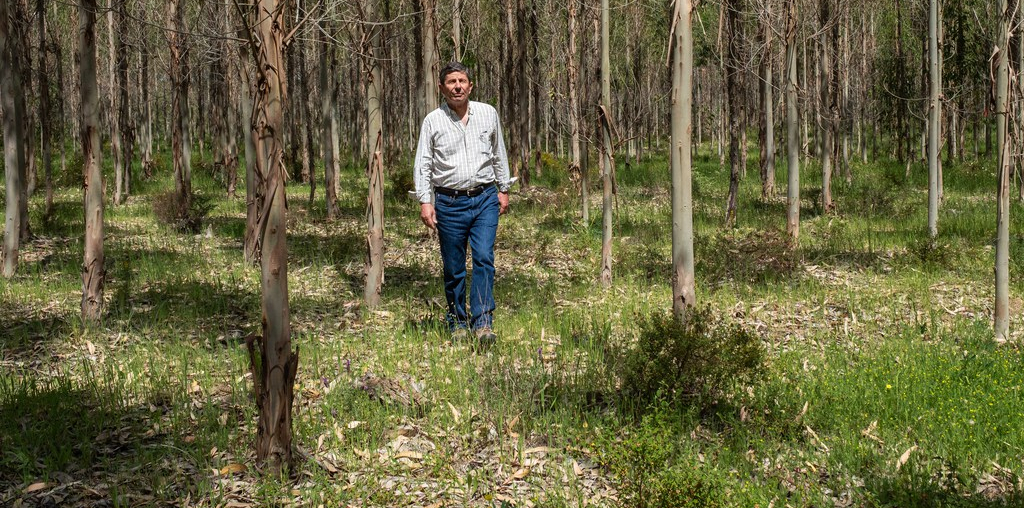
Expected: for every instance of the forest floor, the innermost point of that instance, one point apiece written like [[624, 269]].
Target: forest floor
[[881, 384]]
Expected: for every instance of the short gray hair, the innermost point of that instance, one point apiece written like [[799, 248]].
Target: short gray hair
[[452, 66]]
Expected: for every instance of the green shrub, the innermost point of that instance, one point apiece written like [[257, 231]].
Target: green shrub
[[691, 362], [651, 473], [169, 210]]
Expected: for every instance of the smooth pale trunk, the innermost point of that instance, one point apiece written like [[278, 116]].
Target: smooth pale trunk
[[734, 89], [768, 131], [607, 161], [44, 107], [375, 167], [934, 119], [326, 119], [574, 106], [92, 267], [683, 286], [792, 129], [115, 118], [10, 84], [1002, 303]]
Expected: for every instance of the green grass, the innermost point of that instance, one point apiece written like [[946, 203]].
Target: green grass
[[883, 337]]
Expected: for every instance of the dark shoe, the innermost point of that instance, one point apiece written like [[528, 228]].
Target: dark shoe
[[460, 335], [485, 337]]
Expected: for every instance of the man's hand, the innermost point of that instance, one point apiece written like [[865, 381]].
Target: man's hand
[[502, 203], [429, 216]]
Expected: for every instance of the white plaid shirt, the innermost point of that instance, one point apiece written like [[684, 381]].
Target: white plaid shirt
[[459, 156]]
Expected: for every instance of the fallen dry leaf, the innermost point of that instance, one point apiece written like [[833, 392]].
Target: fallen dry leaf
[[233, 468], [905, 457], [35, 487], [409, 455], [521, 473]]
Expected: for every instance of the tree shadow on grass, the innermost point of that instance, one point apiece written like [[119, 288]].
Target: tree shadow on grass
[[29, 331], [925, 493], [189, 304], [89, 446], [336, 248]]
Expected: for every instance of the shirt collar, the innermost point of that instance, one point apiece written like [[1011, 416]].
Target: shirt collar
[[451, 113]]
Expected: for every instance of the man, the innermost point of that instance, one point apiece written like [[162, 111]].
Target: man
[[461, 161]]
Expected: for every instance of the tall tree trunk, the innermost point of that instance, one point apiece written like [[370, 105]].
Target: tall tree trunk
[[254, 189], [10, 88], [825, 109], [767, 137], [181, 141], [1002, 303], [231, 121], [92, 268], [147, 110], [734, 90], [44, 106], [375, 164], [275, 368], [115, 118], [572, 69], [934, 119], [19, 50], [607, 158], [123, 110], [428, 58], [457, 30], [684, 293], [792, 127], [335, 123], [326, 120]]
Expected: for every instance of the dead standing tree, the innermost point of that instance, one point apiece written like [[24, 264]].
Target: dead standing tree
[[275, 364]]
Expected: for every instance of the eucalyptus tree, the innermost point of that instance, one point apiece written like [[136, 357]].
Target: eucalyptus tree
[[14, 160], [93, 272], [792, 126], [275, 365], [374, 268], [607, 158], [934, 118], [115, 52], [733, 67], [1002, 89], [766, 139], [825, 104], [572, 72], [683, 286], [181, 148], [327, 121], [45, 132]]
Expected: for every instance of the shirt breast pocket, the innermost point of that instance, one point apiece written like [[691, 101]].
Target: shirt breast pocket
[[483, 139]]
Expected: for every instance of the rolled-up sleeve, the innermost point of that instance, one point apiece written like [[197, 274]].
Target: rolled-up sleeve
[[500, 161], [423, 164]]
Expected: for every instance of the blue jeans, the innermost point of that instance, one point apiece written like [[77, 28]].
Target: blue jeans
[[473, 219]]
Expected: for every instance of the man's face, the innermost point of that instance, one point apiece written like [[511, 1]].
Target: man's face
[[456, 88]]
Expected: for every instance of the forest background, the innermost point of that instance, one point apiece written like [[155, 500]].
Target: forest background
[[248, 311]]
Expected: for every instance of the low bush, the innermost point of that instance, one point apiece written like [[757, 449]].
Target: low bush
[[652, 473], [692, 362], [189, 218]]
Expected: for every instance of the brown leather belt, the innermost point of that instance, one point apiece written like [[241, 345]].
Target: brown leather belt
[[469, 193]]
